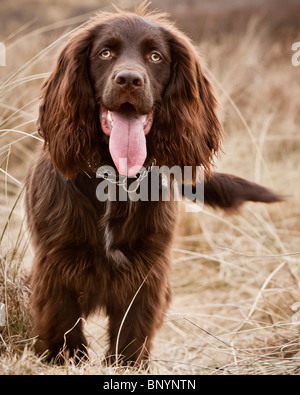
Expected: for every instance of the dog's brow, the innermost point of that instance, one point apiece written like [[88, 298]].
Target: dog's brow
[[151, 43], [155, 43], [110, 41]]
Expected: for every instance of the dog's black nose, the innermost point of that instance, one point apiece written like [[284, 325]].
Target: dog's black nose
[[129, 79]]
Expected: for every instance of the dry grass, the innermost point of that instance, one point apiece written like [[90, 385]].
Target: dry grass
[[235, 279]]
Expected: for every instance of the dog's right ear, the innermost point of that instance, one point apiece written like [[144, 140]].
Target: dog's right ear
[[229, 192], [69, 119]]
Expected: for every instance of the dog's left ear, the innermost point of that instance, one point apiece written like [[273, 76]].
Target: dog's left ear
[[192, 132], [212, 128]]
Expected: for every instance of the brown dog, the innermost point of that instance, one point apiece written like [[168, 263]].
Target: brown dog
[[125, 86]]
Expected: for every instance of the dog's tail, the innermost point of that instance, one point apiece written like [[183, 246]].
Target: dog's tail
[[230, 192]]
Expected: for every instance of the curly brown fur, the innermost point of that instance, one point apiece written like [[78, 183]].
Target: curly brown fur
[[92, 255]]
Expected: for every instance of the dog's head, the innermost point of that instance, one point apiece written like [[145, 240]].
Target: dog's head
[[131, 82]]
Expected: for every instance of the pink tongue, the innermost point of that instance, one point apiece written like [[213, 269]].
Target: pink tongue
[[127, 143]]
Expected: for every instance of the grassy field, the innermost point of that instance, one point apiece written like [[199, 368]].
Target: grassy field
[[235, 279]]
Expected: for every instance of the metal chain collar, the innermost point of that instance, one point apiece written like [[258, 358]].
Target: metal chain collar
[[110, 176]]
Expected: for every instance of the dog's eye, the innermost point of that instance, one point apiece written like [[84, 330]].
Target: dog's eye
[[155, 57], [105, 54]]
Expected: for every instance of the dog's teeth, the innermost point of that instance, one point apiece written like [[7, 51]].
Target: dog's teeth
[[109, 116]]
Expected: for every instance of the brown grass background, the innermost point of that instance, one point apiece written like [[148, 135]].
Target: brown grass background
[[235, 278]]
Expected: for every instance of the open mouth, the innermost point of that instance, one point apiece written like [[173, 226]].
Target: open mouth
[[127, 131]]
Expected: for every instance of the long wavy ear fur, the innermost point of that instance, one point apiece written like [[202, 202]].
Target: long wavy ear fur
[[189, 130], [69, 118]]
